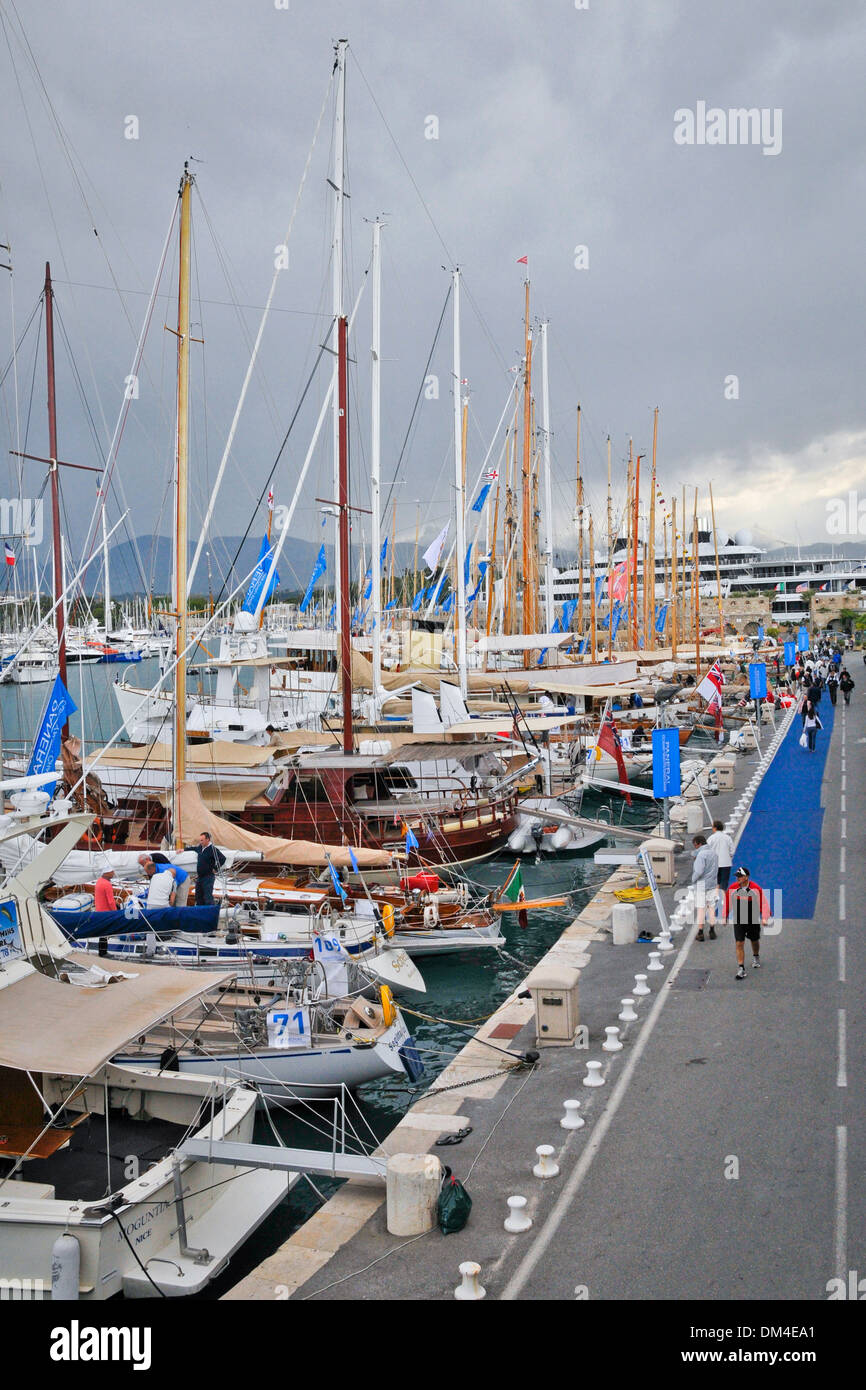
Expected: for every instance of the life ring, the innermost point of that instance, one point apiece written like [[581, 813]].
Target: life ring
[[387, 912], [389, 1010]]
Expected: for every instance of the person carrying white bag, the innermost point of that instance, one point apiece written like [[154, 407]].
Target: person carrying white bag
[[811, 725]]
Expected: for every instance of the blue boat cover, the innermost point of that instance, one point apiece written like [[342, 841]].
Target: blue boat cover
[[79, 925]]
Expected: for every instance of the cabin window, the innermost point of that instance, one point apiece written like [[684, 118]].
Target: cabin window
[[310, 789]]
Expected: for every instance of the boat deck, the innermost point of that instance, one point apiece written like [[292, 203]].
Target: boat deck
[[87, 1168]]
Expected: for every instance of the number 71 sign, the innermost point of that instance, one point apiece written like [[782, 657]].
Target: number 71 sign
[[289, 1028]]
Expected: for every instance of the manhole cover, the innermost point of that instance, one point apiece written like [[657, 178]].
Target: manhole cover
[[690, 979]]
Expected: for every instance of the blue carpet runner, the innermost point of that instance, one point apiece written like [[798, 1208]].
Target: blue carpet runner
[[781, 844]]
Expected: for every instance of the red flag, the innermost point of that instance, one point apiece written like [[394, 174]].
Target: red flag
[[608, 740], [524, 260]]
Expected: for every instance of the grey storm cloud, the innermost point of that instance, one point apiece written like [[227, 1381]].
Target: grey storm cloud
[[555, 130]]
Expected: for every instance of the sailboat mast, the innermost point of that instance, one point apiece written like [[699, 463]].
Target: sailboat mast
[[460, 491], [609, 557], [60, 611], [592, 621], [343, 527], [337, 279], [548, 501], [674, 587], [181, 499], [579, 532], [650, 607], [106, 622], [376, 461], [636, 543], [718, 574], [528, 623]]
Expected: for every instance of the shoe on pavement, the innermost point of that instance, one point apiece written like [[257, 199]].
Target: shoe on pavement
[[712, 933], [756, 963], [741, 973], [700, 936]]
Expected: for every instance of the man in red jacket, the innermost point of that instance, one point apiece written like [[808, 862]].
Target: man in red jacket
[[746, 908]]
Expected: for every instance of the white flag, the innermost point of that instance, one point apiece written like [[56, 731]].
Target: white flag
[[431, 555]]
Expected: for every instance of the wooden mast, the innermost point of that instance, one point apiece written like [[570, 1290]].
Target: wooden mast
[[491, 571], [592, 620], [675, 584], [528, 595], [343, 528], [579, 532], [697, 595], [609, 558], [651, 633], [181, 503], [635, 528]]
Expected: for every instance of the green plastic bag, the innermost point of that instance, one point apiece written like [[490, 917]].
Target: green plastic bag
[[454, 1204]]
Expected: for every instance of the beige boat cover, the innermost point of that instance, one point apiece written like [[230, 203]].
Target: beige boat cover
[[224, 795], [274, 850], [362, 676], [201, 756], [69, 1031]]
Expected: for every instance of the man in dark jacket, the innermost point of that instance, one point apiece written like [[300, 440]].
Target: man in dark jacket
[[833, 686], [847, 685], [209, 860]]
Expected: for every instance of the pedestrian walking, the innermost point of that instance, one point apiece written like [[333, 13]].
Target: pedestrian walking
[[811, 725], [747, 908], [846, 685], [832, 687], [209, 861], [704, 881], [723, 847]]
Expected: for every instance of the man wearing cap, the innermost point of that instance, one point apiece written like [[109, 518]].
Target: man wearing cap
[[103, 893], [746, 908]]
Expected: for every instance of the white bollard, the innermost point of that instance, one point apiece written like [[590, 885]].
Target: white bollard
[[517, 1220], [611, 1042], [623, 920], [640, 986], [654, 961], [545, 1167], [593, 1073], [628, 1014], [412, 1186], [470, 1291], [663, 941], [571, 1119]]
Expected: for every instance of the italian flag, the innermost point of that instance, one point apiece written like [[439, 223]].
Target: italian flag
[[513, 892], [780, 588]]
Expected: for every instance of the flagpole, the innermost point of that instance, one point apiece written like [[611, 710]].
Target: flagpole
[[527, 604], [609, 558], [548, 501], [592, 613], [579, 532], [718, 574], [675, 583]]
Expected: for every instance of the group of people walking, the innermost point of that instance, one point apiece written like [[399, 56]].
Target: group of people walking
[[824, 674]]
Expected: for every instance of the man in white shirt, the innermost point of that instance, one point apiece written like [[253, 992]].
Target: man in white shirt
[[721, 842], [161, 888]]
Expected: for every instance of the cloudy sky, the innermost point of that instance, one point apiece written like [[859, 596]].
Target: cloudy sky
[[555, 130]]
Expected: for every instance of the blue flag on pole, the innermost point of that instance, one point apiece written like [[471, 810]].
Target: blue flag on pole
[[46, 748], [478, 504], [599, 586], [411, 842], [259, 576], [335, 879], [318, 570], [353, 860]]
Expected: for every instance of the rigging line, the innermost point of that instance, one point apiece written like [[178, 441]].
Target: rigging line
[[409, 173], [322, 350], [417, 399], [17, 346], [211, 303], [251, 366], [123, 414]]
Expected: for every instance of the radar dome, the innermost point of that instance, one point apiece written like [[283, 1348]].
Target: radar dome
[[245, 622], [744, 538]]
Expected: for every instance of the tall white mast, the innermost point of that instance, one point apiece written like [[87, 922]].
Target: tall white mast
[[459, 493], [106, 622], [337, 286], [375, 462], [548, 506]]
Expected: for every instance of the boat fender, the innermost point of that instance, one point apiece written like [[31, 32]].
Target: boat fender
[[429, 916], [387, 911], [389, 1011], [65, 1268]]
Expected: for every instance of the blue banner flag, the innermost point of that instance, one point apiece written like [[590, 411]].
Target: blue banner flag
[[353, 860], [369, 589], [411, 842], [790, 653], [335, 879], [662, 617], [758, 680], [46, 748], [467, 564], [802, 640], [418, 600], [481, 498], [567, 614], [318, 570], [599, 586], [259, 577], [666, 762]]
